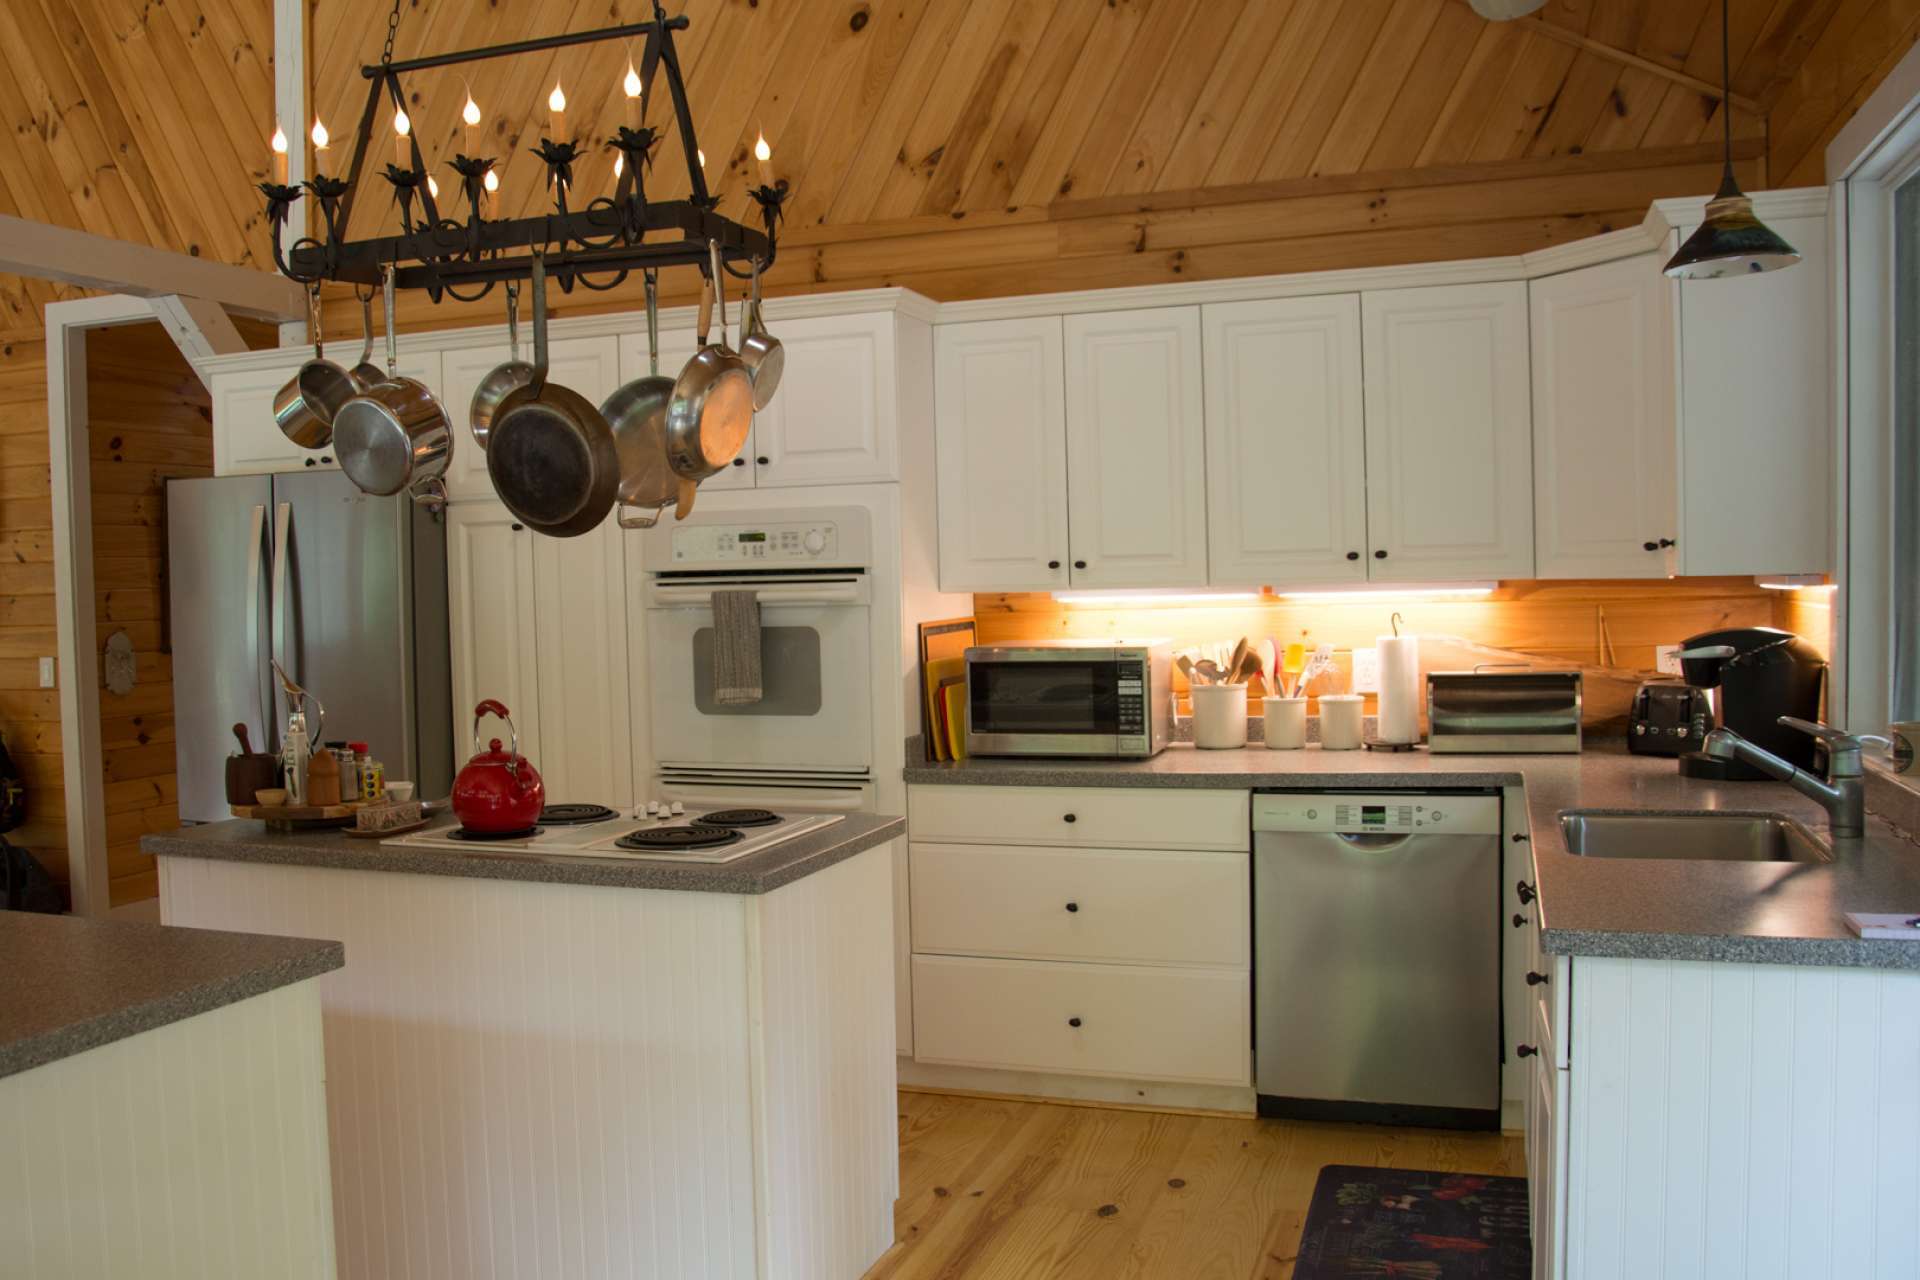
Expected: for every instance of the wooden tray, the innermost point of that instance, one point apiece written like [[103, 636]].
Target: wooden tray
[[289, 817]]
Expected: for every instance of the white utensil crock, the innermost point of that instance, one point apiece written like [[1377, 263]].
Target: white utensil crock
[[1219, 716], [1340, 721], [1286, 723]]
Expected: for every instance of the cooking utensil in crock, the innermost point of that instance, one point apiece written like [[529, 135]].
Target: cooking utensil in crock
[[760, 351], [504, 378], [308, 405], [550, 453], [394, 434], [637, 415], [498, 791], [365, 372], [712, 407]]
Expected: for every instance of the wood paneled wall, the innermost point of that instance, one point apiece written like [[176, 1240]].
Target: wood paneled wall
[[149, 418], [1608, 629]]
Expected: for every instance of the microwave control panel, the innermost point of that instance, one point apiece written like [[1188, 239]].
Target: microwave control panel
[[784, 542], [1131, 687]]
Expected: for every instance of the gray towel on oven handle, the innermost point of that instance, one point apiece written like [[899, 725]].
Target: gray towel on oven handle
[[736, 648]]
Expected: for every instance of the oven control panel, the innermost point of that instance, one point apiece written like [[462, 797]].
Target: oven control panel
[[773, 542]]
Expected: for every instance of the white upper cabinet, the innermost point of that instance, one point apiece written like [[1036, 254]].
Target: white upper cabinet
[[1286, 442], [1136, 449], [1449, 440], [1604, 455], [590, 366], [1001, 441], [1756, 433], [834, 418], [491, 611], [246, 439]]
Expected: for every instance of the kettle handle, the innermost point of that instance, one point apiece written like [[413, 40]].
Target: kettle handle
[[494, 707]]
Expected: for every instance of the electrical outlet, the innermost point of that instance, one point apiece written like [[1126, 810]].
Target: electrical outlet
[[1366, 671], [46, 673], [1666, 659]]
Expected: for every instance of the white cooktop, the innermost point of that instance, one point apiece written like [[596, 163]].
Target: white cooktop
[[602, 839]]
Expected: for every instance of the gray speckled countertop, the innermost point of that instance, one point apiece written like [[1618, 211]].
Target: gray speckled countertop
[[243, 840], [74, 984], [1769, 913]]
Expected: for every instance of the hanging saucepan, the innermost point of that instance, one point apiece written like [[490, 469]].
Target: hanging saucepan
[[760, 351], [394, 435], [307, 405], [637, 415], [550, 453], [366, 373], [503, 378], [712, 407]]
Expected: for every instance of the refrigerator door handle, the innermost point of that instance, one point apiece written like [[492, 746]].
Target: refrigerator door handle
[[255, 531], [277, 622]]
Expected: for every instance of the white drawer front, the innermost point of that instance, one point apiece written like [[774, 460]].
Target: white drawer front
[[1145, 1024], [1111, 905], [1109, 817]]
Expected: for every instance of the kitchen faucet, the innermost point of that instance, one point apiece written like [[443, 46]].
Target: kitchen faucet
[[1841, 793]]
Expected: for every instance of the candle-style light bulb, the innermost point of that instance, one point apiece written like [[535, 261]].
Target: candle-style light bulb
[[279, 144], [764, 154], [491, 184], [471, 112], [619, 166], [433, 187], [701, 156], [470, 115], [557, 114], [402, 156], [632, 87], [321, 139]]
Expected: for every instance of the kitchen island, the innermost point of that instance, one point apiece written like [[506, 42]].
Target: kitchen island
[[161, 1102], [567, 1066]]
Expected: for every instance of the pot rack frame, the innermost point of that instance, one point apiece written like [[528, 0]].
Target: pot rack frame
[[596, 247]]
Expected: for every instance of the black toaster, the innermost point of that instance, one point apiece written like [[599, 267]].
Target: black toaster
[[1668, 719]]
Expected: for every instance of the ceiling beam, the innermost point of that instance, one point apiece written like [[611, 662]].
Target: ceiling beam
[[115, 266], [1600, 49]]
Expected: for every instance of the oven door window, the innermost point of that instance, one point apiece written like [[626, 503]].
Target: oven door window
[[1045, 698], [789, 674]]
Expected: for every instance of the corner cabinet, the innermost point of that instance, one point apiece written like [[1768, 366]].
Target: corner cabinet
[[1448, 431], [246, 439], [999, 396], [1286, 441]]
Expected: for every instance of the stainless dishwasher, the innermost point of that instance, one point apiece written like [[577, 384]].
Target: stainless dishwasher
[[1376, 951]]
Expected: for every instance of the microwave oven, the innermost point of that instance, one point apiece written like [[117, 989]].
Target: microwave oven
[[1070, 698]]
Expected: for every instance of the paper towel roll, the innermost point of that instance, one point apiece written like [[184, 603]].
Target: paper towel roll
[[1399, 689]]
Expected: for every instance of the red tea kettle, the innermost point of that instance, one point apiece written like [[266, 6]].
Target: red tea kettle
[[498, 791]]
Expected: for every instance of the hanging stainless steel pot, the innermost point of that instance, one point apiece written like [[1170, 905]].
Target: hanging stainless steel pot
[[365, 372], [712, 407], [550, 453], [306, 407], [395, 434], [760, 351], [502, 379], [637, 415]]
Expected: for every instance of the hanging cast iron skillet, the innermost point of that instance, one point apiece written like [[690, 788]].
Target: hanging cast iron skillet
[[551, 455]]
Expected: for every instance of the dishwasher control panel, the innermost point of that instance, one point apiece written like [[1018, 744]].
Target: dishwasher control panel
[[1382, 813]]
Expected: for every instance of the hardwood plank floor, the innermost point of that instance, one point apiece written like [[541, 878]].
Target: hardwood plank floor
[[995, 1189]]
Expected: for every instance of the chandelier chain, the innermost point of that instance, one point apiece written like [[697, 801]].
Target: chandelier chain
[[393, 25]]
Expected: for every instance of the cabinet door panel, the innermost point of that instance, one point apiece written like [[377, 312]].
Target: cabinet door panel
[[832, 419], [1604, 453], [581, 640], [1449, 453], [490, 600], [1286, 441], [1136, 449], [1000, 436]]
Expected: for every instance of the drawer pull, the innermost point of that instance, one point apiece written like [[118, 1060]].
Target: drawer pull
[[1072, 817], [1524, 891], [1525, 1050], [1073, 1022], [1535, 979], [1519, 921], [1073, 906]]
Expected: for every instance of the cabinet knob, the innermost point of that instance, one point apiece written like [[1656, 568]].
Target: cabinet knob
[[1651, 546], [1072, 817], [1079, 564], [739, 462], [1073, 1022], [1073, 906], [312, 463], [1519, 837], [1519, 921], [1053, 564], [1353, 555], [1667, 542], [1380, 555], [1524, 892], [761, 460], [1535, 979], [517, 526], [1525, 1050], [325, 461]]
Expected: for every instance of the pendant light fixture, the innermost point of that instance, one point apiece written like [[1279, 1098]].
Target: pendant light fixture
[[1732, 241]]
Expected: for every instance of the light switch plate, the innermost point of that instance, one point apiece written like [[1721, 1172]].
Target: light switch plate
[[1366, 671], [46, 673], [1666, 659]]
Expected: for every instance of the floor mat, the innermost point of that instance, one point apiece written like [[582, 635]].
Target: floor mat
[[1414, 1225]]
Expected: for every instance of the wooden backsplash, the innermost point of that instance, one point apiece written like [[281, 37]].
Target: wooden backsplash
[[1608, 629]]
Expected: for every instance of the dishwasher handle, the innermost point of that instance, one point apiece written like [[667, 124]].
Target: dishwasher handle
[[1375, 841]]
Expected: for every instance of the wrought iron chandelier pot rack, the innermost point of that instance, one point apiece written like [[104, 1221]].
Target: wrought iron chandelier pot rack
[[596, 246]]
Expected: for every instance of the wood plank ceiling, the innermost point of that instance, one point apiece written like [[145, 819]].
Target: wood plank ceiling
[[899, 118]]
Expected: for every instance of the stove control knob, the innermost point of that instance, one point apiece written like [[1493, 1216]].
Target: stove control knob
[[678, 808], [815, 542], [653, 808]]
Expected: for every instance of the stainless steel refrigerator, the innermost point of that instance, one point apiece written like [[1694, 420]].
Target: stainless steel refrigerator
[[347, 590]]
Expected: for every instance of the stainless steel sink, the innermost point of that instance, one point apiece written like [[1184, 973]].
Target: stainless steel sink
[[1699, 837]]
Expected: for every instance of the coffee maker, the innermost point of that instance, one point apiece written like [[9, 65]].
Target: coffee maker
[[1754, 676]]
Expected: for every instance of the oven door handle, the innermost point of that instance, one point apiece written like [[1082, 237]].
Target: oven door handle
[[825, 593], [796, 799]]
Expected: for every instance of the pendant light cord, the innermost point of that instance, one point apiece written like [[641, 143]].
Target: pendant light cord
[[1727, 184]]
